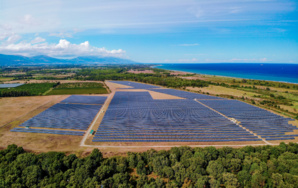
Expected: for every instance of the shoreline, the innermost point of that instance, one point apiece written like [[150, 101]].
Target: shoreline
[[160, 67]]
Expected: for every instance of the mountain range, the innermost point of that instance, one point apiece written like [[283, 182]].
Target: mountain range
[[18, 60]]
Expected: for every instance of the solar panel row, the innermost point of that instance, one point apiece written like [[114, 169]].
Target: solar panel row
[[177, 140]]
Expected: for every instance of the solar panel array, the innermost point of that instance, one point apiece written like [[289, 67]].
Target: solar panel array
[[84, 99], [76, 112], [64, 116], [135, 85], [178, 93], [47, 131], [9, 85], [136, 117], [266, 124]]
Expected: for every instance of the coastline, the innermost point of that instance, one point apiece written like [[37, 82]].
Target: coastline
[[161, 67]]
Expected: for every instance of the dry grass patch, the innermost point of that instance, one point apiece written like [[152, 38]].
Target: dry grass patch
[[219, 90], [157, 95], [114, 86]]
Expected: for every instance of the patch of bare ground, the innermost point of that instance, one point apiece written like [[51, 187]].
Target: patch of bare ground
[[114, 86], [157, 95], [141, 72], [41, 142]]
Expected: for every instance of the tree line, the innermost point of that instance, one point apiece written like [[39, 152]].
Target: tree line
[[262, 166]]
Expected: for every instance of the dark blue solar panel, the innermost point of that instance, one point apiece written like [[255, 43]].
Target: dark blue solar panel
[[177, 140], [47, 131], [135, 116], [82, 99], [260, 121], [65, 116]]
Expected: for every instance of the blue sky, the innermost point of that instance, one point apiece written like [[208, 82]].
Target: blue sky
[[155, 31]]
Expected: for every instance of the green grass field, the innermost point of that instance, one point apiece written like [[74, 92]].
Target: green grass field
[[78, 88]]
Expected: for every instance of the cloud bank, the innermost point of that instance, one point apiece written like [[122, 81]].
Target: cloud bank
[[64, 48]]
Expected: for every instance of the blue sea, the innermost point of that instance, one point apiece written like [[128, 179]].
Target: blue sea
[[272, 72]]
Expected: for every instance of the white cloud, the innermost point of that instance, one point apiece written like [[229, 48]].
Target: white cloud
[[13, 38], [37, 40], [63, 49], [9, 37]]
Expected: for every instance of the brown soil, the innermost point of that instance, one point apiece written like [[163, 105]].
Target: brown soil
[[157, 95], [114, 87]]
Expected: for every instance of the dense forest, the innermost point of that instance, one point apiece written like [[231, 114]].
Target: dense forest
[[263, 166]]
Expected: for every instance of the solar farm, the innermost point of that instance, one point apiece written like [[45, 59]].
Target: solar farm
[[134, 116], [75, 114]]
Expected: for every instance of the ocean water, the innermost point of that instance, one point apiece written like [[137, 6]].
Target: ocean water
[[257, 71]]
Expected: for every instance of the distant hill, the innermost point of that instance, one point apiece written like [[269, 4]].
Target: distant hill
[[13, 60]]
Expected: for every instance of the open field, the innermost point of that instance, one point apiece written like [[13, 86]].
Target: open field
[[219, 90]]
